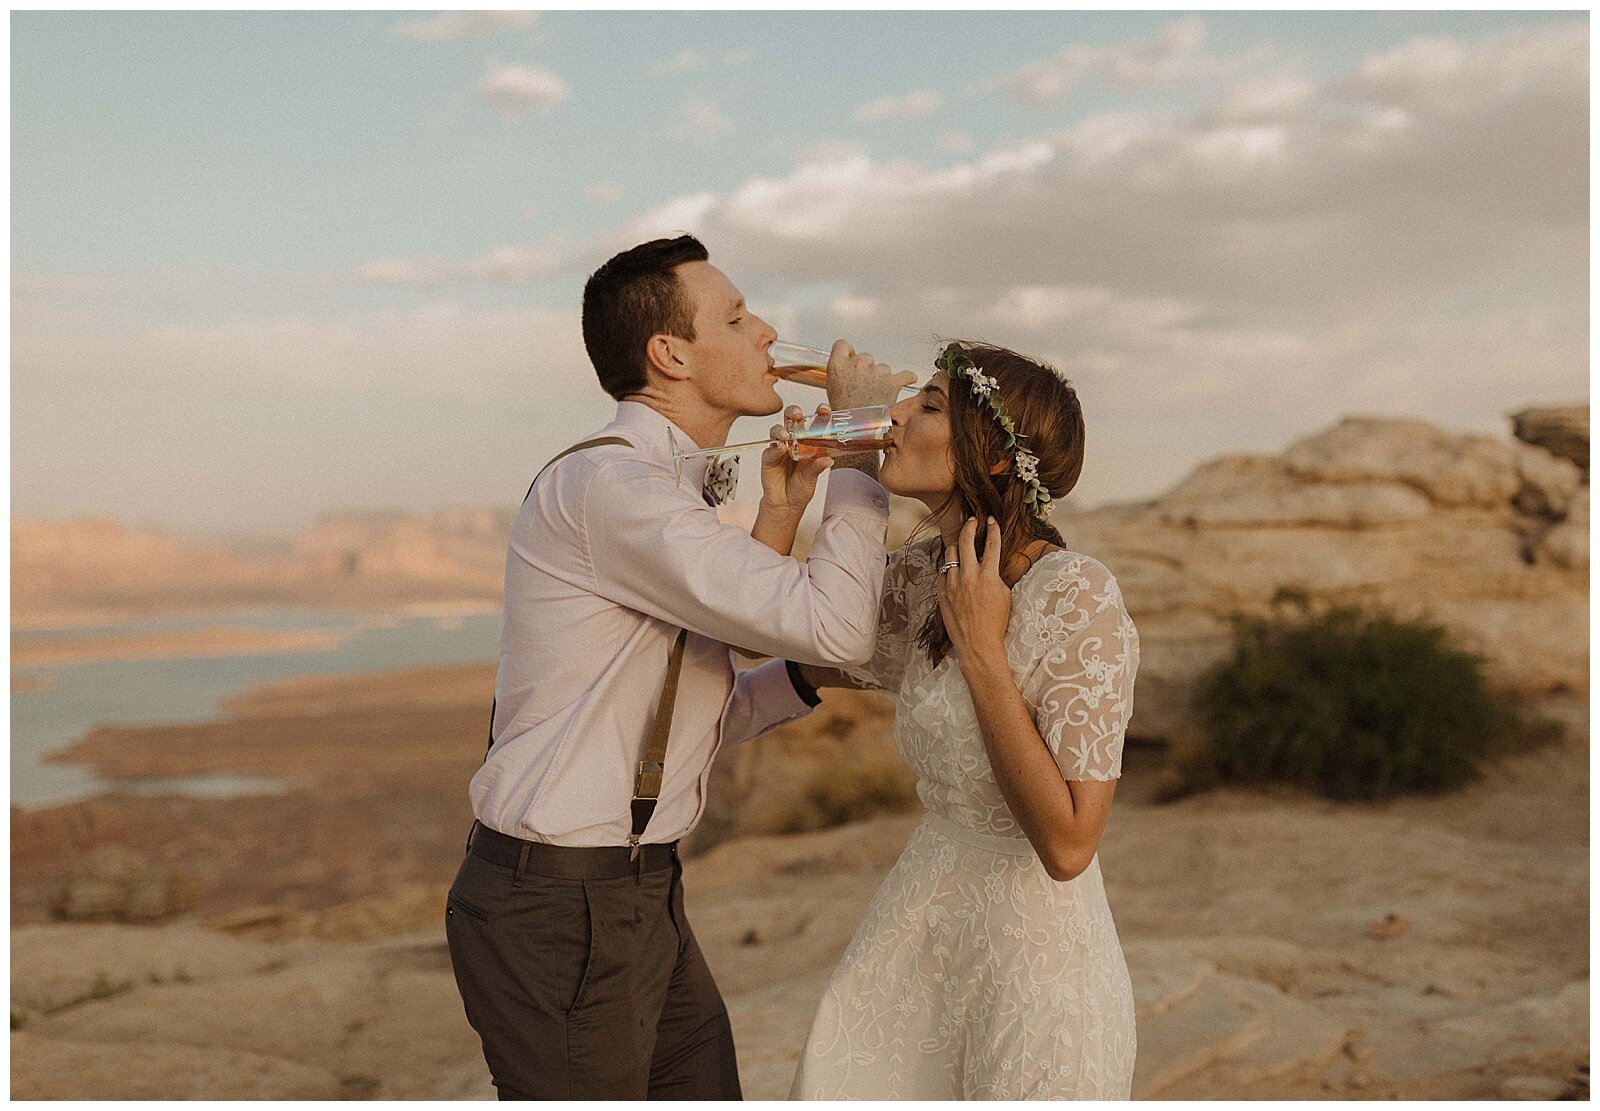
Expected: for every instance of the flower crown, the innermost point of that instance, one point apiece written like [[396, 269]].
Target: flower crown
[[955, 363]]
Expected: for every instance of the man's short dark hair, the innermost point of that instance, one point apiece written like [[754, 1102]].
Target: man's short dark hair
[[634, 296]]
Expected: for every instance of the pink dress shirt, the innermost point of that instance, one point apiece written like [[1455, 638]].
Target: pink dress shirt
[[609, 557]]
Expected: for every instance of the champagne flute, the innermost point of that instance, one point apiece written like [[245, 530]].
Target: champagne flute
[[838, 432], [795, 362]]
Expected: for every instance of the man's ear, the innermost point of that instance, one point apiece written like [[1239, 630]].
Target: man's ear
[[664, 354]]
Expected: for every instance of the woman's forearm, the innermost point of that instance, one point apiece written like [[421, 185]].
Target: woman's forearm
[[775, 526], [1024, 767]]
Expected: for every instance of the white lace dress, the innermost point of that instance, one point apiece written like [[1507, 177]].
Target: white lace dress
[[974, 975]]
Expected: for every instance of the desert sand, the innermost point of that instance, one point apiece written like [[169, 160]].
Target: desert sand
[[1280, 945]]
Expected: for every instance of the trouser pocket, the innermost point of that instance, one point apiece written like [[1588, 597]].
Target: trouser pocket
[[454, 902]]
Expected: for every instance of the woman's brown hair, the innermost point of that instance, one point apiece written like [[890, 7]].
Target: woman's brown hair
[[1045, 412]]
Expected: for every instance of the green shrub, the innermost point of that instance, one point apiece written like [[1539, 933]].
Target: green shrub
[[1352, 703]]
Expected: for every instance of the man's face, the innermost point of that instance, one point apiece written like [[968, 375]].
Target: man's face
[[728, 359]]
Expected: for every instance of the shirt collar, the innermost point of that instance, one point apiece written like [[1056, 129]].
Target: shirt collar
[[656, 435]]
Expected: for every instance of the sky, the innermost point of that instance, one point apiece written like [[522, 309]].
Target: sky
[[270, 265]]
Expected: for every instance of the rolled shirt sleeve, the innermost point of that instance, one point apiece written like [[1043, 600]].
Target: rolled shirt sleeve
[[764, 698]]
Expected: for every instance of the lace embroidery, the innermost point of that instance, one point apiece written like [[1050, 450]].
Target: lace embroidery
[[973, 974]]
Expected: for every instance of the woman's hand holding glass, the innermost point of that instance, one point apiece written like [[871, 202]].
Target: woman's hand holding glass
[[789, 483]]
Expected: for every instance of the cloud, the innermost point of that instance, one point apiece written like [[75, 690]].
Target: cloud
[[1408, 237], [1176, 53], [829, 150], [706, 122], [852, 308], [602, 192], [452, 26], [690, 60], [503, 266], [923, 102], [687, 60], [518, 88]]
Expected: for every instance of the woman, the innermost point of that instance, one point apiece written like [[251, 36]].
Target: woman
[[988, 966]]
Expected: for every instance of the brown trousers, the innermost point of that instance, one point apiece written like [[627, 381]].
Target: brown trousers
[[587, 988]]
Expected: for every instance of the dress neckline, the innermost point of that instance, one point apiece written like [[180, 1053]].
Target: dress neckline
[[1036, 564]]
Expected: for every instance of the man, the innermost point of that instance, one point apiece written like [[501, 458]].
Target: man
[[566, 925]]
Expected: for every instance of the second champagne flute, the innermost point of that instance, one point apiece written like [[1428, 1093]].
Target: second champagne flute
[[795, 362]]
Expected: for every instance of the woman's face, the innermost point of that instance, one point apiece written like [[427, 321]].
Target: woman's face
[[918, 462]]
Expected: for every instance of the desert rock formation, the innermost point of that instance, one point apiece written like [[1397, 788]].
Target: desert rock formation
[[1485, 536]]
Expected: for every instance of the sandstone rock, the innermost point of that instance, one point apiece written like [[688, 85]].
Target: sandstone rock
[[1548, 482], [1567, 544], [51, 1068], [1561, 430], [53, 966], [1397, 514], [116, 884], [383, 1017], [1255, 491], [1532, 1087], [1288, 1035], [405, 911], [1452, 470]]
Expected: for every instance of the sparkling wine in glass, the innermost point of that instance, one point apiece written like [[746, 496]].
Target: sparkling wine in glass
[[841, 432], [795, 362]]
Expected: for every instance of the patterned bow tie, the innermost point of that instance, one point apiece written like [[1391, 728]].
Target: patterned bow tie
[[722, 480]]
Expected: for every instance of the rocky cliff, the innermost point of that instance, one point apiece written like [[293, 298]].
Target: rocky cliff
[[1488, 537]]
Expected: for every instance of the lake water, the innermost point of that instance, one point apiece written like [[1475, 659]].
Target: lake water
[[137, 692]]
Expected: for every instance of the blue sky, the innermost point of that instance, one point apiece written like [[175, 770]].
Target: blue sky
[[258, 258]]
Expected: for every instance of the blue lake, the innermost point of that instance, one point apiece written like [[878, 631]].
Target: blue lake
[[137, 692]]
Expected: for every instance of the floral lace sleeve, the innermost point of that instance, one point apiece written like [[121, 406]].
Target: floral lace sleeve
[[1087, 652], [906, 593]]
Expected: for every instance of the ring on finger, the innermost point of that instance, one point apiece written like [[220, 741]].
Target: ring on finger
[[943, 567]]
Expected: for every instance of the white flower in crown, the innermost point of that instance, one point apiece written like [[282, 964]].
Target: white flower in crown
[[1027, 465], [981, 382]]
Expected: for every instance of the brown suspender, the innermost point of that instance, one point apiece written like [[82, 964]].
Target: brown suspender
[[647, 789], [654, 765]]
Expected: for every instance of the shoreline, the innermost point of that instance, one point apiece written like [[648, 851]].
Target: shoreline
[[66, 686], [78, 619], [212, 642]]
